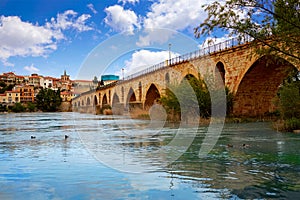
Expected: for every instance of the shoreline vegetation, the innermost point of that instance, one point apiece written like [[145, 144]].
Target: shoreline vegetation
[[285, 118], [279, 124]]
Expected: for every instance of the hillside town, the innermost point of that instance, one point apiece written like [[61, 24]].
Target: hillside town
[[24, 88]]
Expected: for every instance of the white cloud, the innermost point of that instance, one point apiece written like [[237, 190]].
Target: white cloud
[[69, 20], [144, 59], [128, 1], [177, 15], [92, 8], [212, 41], [19, 38], [31, 69], [121, 20]]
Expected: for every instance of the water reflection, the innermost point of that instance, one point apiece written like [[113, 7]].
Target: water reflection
[[51, 166]]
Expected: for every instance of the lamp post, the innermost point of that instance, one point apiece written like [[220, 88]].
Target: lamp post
[[169, 53], [123, 73]]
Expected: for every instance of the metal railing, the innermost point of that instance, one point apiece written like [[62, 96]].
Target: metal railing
[[192, 55]]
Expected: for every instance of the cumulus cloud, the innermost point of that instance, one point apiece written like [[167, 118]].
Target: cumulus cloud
[[20, 38], [92, 8], [31, 69], [176, 15], [70, 20], [120, 19], [143, 59]]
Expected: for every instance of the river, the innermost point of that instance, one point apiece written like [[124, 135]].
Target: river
[[113, 157]]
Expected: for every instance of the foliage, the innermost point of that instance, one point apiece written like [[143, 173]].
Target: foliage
[[276, 24], [292, 124], [105, 107], [179, 99], [289, 97], [48, 100], [4, 87], [229, 101], [3, 108], [18, 107], [186, 98], [31, 107]]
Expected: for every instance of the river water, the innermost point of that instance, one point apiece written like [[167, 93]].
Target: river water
[[107, 157]]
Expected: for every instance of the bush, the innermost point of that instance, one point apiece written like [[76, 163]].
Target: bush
[[48, 100], [292, 124], [105, 107], [188, 103], [30, 107], [3, 108], [289, 96], [18, 107]]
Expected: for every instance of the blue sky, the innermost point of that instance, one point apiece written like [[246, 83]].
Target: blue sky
[[94, 36]]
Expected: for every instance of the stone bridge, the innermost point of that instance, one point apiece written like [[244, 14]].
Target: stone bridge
[[253, 80]]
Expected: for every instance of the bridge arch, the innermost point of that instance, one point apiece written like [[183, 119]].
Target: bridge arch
[[95, 100], [190, 71], [259, 86], [151, 95], [104, 100], [221, 70], [115, 99], [122, 94], [88, 101], [130, 96]]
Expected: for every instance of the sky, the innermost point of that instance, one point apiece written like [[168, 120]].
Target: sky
[[90, 38]]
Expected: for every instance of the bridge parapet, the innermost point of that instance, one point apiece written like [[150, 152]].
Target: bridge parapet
[[234, 42]]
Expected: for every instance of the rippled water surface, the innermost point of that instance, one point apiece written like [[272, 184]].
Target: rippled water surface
[[108, 157]]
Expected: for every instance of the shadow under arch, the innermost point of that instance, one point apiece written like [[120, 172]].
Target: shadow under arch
[[259, 86], [116, 99], [117, 107], [104, 100], [95, 100], [221, 70], [131, 96], [130, 100], [151, 96]]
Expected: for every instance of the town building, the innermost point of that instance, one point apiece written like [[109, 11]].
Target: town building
[[27, 87], [10, 97]]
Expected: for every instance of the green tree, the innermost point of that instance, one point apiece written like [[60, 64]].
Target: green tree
[[30, 107], [273, 23], [48, 100], [289, 97], [5, 87], [192, 94], [18, 107], [3, 108]]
